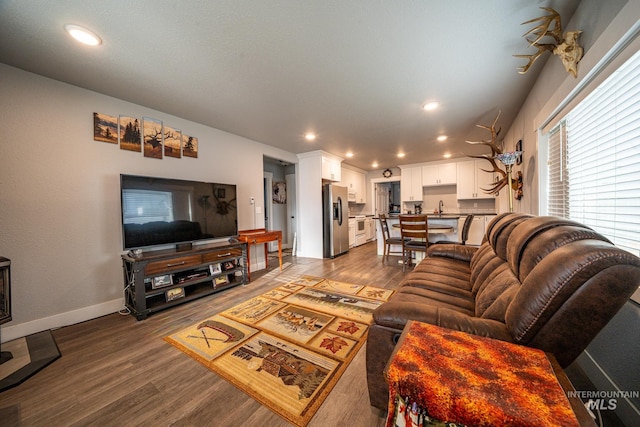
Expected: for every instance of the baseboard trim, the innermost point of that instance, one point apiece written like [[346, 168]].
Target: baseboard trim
[[628, 413], [12, 332]]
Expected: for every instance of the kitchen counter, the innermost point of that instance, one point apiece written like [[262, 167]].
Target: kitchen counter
[[449, 221], [449, 215]]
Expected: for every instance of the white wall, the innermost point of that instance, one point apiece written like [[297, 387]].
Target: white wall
[[309, 201], [603, 24], [60, 200], [611, 360]]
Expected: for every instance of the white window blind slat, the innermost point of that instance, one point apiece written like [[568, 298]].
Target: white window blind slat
[[594, 160]]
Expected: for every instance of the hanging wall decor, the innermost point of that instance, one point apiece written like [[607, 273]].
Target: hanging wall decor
[[548, 36], [189, 146], [152, 137], [172, 142], [279, 192], [508, 159], [129, 133], [147, 135], [105, 128]]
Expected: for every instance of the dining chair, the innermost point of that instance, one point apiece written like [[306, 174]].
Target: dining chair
[[414, 230], [464, 236], [388, 240]]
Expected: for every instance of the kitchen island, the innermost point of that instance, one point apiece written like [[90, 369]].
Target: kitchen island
[[445, 221]]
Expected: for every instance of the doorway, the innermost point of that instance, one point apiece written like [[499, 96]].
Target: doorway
[[386, 196], [280, 200]]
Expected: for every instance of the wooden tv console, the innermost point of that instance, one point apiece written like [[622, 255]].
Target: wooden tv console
[[161, 279]]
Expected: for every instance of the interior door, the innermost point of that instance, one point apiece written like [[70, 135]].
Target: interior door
[[383, 193], [291, 211], [268, 208]]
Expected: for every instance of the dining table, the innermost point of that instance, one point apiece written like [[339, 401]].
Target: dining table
[[433, 230]]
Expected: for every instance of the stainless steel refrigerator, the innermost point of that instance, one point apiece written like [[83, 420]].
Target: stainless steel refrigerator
[[335, 216]]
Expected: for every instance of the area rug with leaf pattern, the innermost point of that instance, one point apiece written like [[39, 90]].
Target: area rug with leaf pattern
[[286, 348]]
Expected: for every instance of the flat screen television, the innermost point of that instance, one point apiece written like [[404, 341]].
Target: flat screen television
[[164, 211]]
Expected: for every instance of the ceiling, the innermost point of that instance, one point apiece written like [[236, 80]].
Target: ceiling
[[355, 72]]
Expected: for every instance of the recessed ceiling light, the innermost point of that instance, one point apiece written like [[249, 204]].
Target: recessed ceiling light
[[83, 35], [374, 164], [310, 136], [349, 154], [447, 155], [401, 155], [442, 138], [430, 106]]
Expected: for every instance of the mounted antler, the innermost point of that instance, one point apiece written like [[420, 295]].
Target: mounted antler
[[492, 143], [496, 148], [566, 47]]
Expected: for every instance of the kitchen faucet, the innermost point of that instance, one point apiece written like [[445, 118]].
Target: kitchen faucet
[[440, 207]]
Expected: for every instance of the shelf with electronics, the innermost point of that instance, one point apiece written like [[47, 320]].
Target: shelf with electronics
[[158, 280]]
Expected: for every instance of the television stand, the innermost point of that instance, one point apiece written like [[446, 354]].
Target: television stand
[[5, 356], [161, 279], [180, 247], [5, 302]]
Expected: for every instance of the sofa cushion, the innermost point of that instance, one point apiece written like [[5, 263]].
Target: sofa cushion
[[434, 298], [497, 282], [530, 244], [502, 230]]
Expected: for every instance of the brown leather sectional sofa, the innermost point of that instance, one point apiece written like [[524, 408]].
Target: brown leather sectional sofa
[[543, 282]]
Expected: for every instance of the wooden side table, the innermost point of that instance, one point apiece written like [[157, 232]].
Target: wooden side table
[[463, 378], [260, 235]]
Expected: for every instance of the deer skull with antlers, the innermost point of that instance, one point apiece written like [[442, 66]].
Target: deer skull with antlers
[[496, 148], [566, 46]]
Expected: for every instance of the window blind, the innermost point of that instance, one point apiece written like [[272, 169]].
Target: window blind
[[142, 206], [600, 165], [558, 191]]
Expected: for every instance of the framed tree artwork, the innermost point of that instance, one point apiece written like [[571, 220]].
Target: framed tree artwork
[[105, 128], [129, 133], [189, 146]]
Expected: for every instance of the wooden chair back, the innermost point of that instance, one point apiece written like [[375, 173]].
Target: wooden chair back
[[464, 236], [414, 227], [384, 226], [414, 230]]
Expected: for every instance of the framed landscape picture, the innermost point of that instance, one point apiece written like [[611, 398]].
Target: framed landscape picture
[[129, 133], [172, 142], [152, 137], [105, 128], [189, 146]]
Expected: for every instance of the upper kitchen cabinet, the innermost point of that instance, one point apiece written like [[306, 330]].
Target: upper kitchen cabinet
[[356, 183], [471, 180], [441, 174], [411, 184], [331, 168]]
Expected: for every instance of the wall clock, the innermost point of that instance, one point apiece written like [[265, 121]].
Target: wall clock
[[387, 173]]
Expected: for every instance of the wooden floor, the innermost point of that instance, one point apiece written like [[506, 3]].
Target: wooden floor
[[116, 371]]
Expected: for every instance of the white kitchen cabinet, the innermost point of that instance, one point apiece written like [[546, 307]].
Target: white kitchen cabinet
[[356, 185], [471, 179], [352, 232], [331, 169], [361, 187], [411, 184], [345, 178], [440, 174], [369, 226]]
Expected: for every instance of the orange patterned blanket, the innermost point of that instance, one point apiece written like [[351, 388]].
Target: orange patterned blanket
[[472, 380]]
